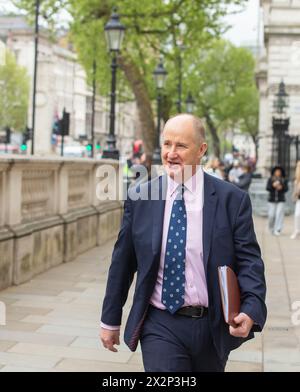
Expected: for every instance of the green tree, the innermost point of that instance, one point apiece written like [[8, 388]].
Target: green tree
[[250, 115], [14, 95], [153, 28], [223, 84]]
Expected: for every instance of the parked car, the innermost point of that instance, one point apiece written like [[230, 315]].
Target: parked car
[[75, 151], [9, 149]]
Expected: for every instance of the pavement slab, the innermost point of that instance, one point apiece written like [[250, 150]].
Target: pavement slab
[[53, 320]]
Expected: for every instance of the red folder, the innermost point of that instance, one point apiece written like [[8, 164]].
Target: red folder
[[230, 294]]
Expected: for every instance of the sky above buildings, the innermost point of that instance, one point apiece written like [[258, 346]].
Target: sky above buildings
[[245, 28], [246, 25]]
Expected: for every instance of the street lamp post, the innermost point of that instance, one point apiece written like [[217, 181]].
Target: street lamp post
[[181, 47], [160, 75], [2, 51], [36, 42], [114, 32], [190, 103], [93, 109]]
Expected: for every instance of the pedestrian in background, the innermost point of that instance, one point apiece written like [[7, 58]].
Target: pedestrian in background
[[296, 198], [244, 180], [277, 186], [235, 172]]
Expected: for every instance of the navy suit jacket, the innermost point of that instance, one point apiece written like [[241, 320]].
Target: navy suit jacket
[[228, 239]]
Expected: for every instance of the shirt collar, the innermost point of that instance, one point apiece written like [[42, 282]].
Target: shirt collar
[[194, 184]]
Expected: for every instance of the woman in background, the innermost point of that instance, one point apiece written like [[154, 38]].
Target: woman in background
[[277, 186], [296, 198]]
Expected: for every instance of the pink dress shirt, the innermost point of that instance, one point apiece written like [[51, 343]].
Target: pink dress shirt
[[195, 283]]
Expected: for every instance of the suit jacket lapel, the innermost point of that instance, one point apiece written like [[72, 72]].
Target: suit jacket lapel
[[209, 210], [159, 188]]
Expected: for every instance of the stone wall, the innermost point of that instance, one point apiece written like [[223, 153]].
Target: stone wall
[[49, 214]]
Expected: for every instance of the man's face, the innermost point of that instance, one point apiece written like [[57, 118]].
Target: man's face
[[181, 147]]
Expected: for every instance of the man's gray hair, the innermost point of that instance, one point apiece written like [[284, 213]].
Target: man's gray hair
[[197, 122], [199, 127]]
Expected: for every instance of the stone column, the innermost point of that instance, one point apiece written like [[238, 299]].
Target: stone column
[[13, 195], [63, 187], [3, 175]]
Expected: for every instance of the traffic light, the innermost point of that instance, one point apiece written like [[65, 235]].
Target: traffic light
[[88, 147], [65, 123], [62, 126], [7, 135], [98, 146], [25, 137]]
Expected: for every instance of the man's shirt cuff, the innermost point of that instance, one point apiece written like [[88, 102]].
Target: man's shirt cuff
[[110, 327]]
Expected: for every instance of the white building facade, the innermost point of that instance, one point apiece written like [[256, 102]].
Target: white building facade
[[280, 61], [62, 83]]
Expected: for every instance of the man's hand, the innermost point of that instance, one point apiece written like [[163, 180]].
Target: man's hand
[[109, 338], [244, 325]]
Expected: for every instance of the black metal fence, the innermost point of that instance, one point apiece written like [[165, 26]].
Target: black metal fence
[[285, 147]]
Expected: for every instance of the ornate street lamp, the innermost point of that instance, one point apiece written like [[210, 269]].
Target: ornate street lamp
[[160, 75], [281, 101], [280, 123], [190, 103], [114, 33]]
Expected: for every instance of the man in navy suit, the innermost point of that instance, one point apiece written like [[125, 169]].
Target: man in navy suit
[[174, 236]]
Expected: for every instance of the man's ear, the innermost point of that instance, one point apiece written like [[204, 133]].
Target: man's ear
[[203, 149]]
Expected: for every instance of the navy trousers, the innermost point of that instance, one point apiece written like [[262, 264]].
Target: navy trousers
[[176, 343]]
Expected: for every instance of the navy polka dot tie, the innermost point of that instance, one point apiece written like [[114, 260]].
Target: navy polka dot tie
[[173, 288]]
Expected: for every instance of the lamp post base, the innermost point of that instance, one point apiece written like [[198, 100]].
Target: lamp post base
[[111, 154]]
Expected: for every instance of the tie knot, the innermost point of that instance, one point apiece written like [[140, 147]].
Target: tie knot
[[180, 191]]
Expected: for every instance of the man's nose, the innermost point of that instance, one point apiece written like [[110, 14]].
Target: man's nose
[[172, 155], [173, 151]]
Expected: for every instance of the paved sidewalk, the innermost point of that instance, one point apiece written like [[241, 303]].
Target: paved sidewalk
[[52, 321]]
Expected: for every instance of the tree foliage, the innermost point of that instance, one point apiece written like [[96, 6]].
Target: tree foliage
[[14, 95], [153, 28], [223, 84]]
